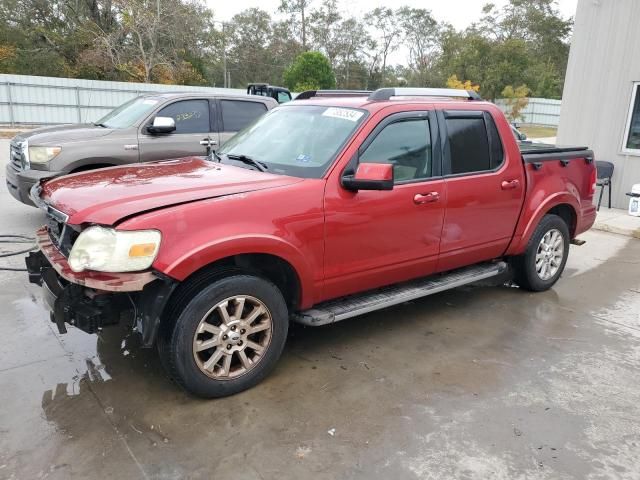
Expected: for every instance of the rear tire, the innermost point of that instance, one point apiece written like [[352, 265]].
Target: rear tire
[[545, 257], [224, 337]]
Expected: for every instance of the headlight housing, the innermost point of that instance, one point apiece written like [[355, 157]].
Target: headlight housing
[[43, 154], [108, 250]]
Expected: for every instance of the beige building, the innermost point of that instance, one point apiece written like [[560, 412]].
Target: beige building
[[601, 99]]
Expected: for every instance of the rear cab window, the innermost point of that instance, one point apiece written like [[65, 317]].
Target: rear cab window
[[473, 142]]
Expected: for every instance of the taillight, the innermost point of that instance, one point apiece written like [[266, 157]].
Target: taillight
[[592, 181]]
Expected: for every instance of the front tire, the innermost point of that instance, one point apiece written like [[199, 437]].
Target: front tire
[[540, 267], [226, 337]]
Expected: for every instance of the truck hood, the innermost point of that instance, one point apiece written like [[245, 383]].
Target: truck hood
[[108, 195], [60, 134]]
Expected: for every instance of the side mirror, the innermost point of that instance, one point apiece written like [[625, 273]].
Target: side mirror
[[370, 176], [162, 125]]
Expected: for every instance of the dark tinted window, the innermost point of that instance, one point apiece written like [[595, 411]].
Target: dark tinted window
[[497, 154], [469, 145], [406, 145], [633, 135], [237, 114], [191, 116]]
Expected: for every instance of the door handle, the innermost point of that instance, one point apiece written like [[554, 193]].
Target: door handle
[[208, 143], [510, 184], [430, 197]]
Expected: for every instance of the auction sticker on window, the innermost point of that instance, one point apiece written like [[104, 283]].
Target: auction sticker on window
[[344, 113]]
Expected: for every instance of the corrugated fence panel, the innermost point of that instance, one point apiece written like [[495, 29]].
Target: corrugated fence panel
[[539, 111], [34, 100], [26, 99]]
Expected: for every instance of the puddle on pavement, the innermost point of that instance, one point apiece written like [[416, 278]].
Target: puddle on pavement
[[89, 357]]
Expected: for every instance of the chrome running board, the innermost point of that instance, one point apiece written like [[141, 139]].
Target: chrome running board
[[346, 307]]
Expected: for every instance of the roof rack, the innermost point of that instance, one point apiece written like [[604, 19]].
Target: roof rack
[[333, 93], [387, 93]]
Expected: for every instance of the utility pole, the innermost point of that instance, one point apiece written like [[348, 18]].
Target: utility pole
[[224, 54]]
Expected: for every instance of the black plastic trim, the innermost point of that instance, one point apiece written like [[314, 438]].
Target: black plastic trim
[[564, 155]]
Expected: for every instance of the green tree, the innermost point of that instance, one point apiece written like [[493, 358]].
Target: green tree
[[298, 7], [420, 34], [387, 28], [516, 99], [249, 34], [311, 70]]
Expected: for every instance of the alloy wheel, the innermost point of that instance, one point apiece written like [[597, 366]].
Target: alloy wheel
[[232, 337], [549, 254]]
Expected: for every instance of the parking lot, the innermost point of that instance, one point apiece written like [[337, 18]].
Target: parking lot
[[479, 382]]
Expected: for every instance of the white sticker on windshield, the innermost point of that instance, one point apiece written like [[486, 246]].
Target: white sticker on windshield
[[149, 102], [344, 113]]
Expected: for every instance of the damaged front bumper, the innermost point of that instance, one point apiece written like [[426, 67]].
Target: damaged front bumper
[[92, 300]]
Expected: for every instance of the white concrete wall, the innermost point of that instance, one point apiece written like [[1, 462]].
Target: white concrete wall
[[603, 64]]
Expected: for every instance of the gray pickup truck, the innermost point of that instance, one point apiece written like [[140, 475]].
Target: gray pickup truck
[[151, 127]]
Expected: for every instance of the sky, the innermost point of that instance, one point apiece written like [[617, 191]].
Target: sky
[[460, 13]]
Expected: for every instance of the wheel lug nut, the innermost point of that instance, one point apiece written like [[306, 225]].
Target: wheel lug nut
[[240, 342], [242, 331], [233, 328], [224, 337], [229, 346]]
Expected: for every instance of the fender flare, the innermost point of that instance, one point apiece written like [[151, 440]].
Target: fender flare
[[195, 259], [560, 198]]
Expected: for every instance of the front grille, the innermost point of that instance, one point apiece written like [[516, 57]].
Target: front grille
[[61, 235], [17, 155]]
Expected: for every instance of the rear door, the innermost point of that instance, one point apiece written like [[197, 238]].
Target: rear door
[[485, 189], [235, 114], [191, 136]]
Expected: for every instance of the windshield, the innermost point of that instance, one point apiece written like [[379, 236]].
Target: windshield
[[300, 140], [128, 113]]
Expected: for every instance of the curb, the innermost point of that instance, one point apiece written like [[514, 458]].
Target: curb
[[628, 231]]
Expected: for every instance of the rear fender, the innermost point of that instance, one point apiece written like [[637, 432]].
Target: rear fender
[[529, 222]]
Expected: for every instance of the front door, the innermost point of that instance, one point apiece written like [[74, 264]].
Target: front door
[[485, 188], [192, 135], [374, 238]]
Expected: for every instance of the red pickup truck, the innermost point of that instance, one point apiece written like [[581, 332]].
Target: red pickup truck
[[325, 208]]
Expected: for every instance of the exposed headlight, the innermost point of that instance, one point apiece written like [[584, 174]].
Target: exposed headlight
[[43, 154], [108, 250]]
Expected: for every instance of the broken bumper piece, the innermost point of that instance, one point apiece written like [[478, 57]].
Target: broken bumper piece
[[92, 300]]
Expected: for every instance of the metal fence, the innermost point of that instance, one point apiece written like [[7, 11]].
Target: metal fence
[[539, 111], [31, 100]]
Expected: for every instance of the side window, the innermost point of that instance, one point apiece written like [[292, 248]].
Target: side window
[[283, 97], [495, 143], [474, 144], [237, 114], [191, 116], [406, 144]]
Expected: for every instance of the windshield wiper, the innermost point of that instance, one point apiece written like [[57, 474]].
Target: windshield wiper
[[249, 161]]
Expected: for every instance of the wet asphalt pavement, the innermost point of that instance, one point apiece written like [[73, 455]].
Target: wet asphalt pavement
[[481, 382]]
